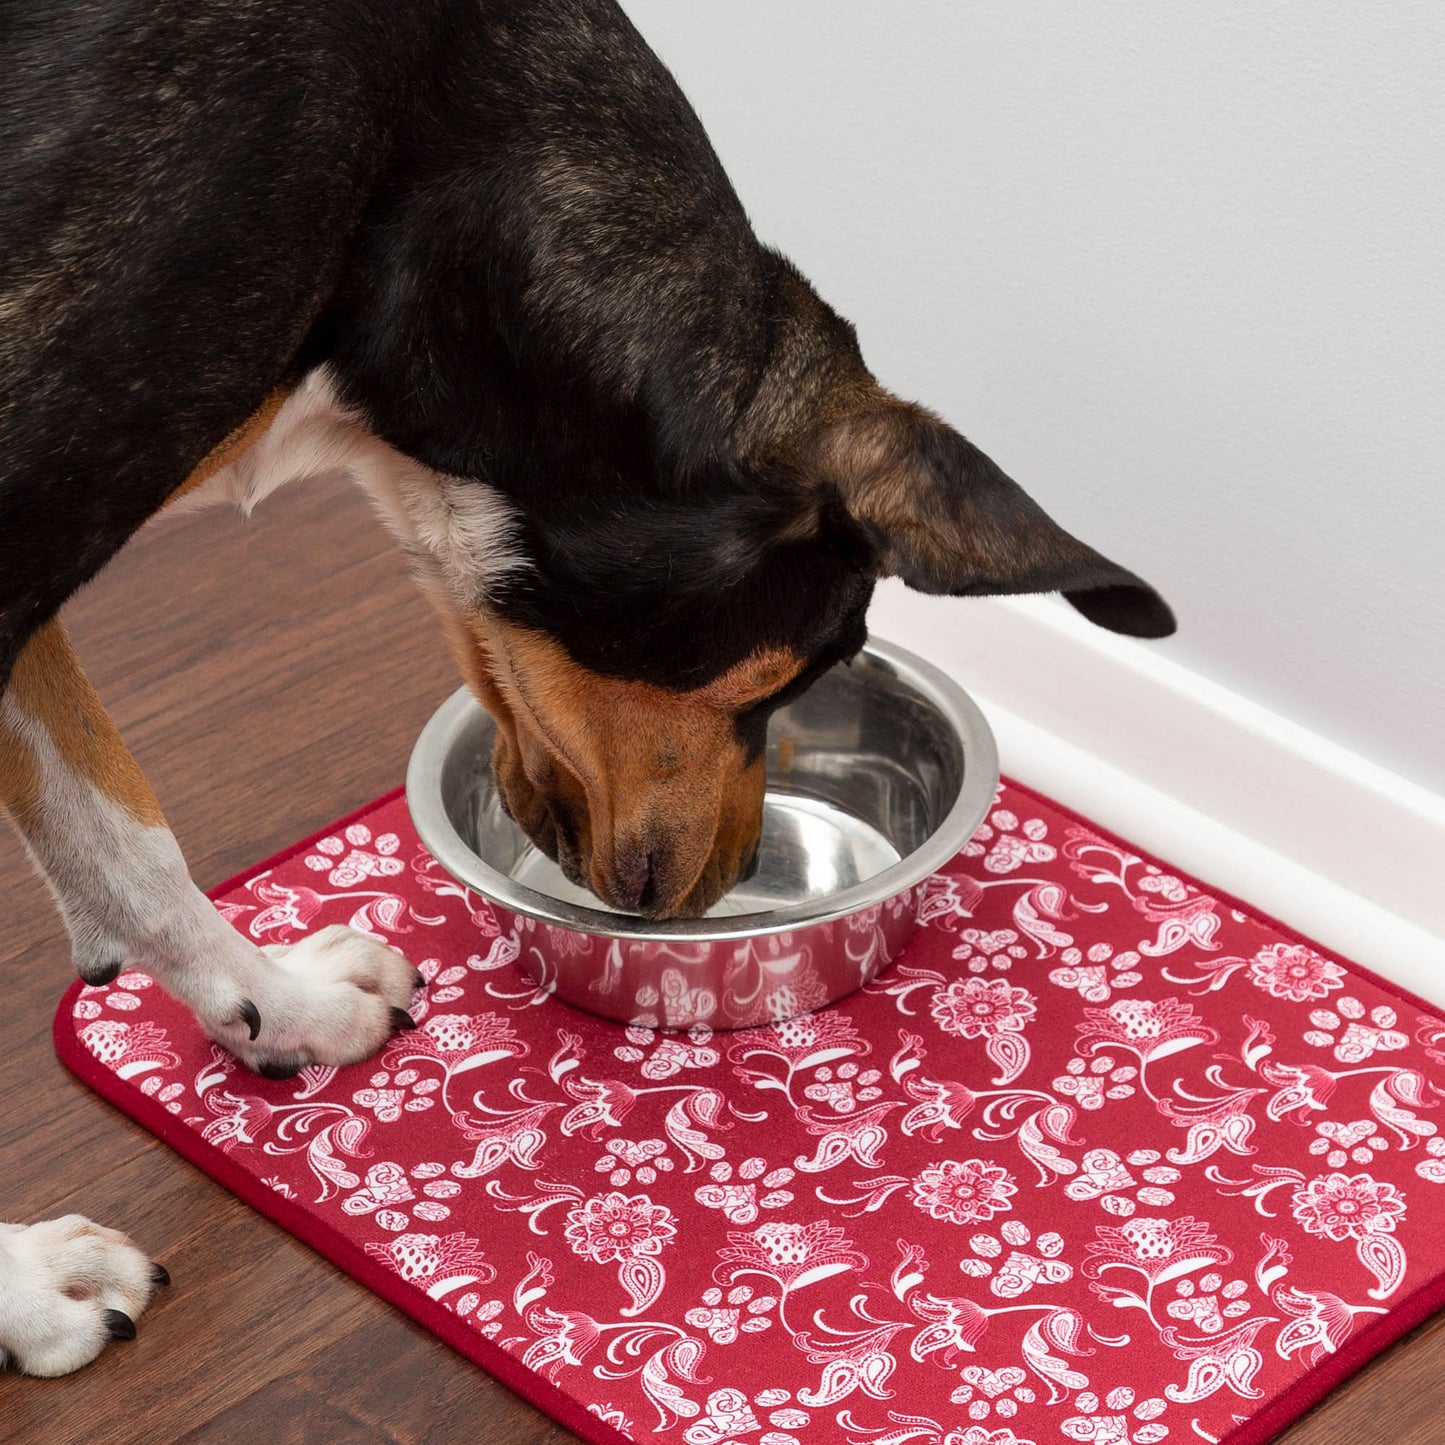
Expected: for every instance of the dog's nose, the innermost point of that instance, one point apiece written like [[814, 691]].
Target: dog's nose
[[636, 884]]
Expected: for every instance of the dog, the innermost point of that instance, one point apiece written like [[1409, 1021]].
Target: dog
[[482, 259]]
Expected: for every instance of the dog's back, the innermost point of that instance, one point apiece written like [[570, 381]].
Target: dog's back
[[477, 214], [178, 184]]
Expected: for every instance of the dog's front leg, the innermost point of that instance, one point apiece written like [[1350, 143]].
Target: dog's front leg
[[94, 827]]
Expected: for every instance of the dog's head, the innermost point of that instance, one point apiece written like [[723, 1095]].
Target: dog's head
[[653, 621]]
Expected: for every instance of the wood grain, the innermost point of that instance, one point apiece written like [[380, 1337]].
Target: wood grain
[[271, 675]]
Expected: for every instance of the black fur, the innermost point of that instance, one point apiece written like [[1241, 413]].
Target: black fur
[[502, 227], [180, 185], [558, 293]]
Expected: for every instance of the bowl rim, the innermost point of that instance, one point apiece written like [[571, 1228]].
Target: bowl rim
[[970, 807]]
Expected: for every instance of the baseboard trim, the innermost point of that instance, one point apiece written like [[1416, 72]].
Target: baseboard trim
[[1325, 840]]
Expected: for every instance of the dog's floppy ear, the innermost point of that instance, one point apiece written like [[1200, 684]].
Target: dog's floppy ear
[[945, 519]]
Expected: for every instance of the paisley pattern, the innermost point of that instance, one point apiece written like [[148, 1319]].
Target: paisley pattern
[[1099, 1158]]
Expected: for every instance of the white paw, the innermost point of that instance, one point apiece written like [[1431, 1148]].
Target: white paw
[[67, 1288], [333, 998]]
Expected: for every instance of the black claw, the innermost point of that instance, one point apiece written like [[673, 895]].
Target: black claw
[[160, 1275], [281, 1068], [419, 977], [400, 1019], [251, 1017], [119, 1326], [98, 975]]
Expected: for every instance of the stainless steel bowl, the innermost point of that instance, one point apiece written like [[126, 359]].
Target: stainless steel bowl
[[877, 776]]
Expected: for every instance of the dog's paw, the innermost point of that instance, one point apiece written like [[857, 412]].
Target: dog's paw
[[335, 997], [67, 1288]]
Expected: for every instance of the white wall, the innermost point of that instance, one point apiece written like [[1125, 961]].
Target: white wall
[[1179, 267]]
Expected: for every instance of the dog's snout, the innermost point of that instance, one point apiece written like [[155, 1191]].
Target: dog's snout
[[658, 856], [648, 896], [636, 885]]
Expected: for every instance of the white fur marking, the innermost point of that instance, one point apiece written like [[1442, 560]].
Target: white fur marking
[[457, 531], [44, 1330], [126, 896]]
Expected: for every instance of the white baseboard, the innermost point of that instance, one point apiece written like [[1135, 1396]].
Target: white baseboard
[[1330, 843]]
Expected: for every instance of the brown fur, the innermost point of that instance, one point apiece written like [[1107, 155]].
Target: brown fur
[[49, 686], [868, 452], [609, 772], [941, 530], [19, 776]]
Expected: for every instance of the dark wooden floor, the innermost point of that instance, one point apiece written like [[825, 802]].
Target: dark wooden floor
[[271, 675]]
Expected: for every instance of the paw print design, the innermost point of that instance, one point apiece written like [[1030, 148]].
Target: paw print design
[[388, 1193], [1016, 1275], [1200, 1305], [1006, 845], [993, 1392], [1432, 1168], [983, 950], [386, 1185], [726, 1316], [1102, 973], [670, 1053], [442, 985], [119, 994], [793, 1419], [738, 1198], [676, 1000], [728, 1416], [1092, 1081], [1106, 1177], [844, 1089], [1340, 1143], [386, 1095], [170, 1095], [435, 1188], [484, 1314], [366, 857], [1166, 885], [385, 1103], [1116, 1428], [1353, 1040], [625, 1160]]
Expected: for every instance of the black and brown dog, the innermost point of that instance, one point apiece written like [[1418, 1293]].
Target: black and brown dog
[[481, 257]]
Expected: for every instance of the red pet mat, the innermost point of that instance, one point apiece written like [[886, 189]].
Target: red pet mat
[[1103, 1157]]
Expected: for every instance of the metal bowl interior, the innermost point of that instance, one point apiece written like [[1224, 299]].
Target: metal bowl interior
[[877, 775]]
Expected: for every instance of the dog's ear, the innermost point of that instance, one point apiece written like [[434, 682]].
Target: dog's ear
[[945, 519]]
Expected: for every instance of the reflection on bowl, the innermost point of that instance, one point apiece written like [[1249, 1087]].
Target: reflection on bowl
[[877, 776]]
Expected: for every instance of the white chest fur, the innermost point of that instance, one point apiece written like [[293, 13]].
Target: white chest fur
[[457, 532]]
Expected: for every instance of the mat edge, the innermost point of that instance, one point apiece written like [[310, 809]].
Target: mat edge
[[351, 1260], [1427, 1298], [1288, 1409], [1231, 900], [1141, 713]]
